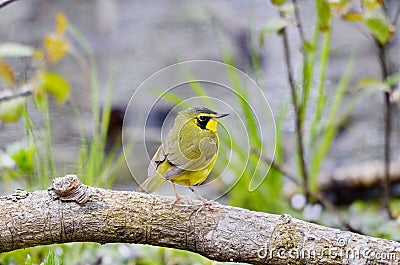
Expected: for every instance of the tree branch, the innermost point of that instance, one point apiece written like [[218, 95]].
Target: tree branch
[[24, 91], [72, 212], [4, 3]]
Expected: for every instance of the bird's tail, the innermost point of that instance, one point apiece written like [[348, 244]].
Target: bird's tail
[[151, 184]]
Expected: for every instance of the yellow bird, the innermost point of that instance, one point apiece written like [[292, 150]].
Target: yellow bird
[[188, 154]]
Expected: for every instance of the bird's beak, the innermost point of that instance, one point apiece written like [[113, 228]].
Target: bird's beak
[[220, 116]]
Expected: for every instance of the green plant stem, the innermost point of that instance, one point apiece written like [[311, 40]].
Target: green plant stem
[[321, 97], [297, 113], [48, 142], [306, 77], [308, 71], [387, 134], [106, 113], [321, 102], [31, 140], [330, 123]]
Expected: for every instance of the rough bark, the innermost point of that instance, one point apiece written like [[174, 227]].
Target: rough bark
[[71, 212]]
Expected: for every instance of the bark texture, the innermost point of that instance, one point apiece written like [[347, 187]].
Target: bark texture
[[71, 212]]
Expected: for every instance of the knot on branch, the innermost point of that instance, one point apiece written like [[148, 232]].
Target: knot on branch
[[69, 188]]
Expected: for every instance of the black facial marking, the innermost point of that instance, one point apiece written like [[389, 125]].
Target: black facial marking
[[202, 121]]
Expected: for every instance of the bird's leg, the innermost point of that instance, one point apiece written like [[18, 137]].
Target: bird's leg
[[177, 196], [200, 197], [205, 202]]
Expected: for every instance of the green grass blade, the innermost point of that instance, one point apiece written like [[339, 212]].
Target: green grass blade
[[321, 100], [308, 71], [322, 149]]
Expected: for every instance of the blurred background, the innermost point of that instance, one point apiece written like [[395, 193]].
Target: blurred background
[[113, 46]]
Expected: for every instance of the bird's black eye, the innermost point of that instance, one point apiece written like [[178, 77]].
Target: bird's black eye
[[203, 118], [202, 121]]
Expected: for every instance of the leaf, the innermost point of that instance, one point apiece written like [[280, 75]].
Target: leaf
[[56, 85], [275, 25], [11, 49], [278, 2], [28, 260], [287, 9], [393, 79], [339, 5], [272, 25], [11, 110], [51, 259], [372, 83], [371, 4], [61, 23], [24, 156], [353, 17], [6, 73], [378, 25], [56, 47], [324, 15]]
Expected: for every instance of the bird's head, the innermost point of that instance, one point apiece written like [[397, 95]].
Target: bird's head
[[204, 118]]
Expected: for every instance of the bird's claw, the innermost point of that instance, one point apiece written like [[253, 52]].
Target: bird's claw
[[205, 203], [177, 198]]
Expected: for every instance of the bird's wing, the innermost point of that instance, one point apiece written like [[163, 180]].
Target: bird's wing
[[157, 159], [172, 172], [154, 179], [192, 155]]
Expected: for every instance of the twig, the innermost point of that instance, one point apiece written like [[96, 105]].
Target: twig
[[388, 125], [220, 232], [9, 94], [396, 16], [331, 207], [4, 3], [297, 111], [299, 23]]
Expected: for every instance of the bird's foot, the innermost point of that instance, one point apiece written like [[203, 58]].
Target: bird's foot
[[205, 203], [177, 198]]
